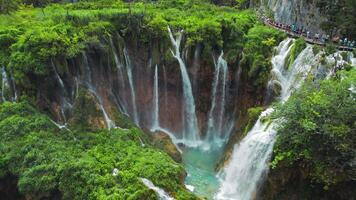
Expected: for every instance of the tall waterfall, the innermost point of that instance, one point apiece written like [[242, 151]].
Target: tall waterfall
[[155, 120], [120, 73], [191, 135], [66, 106], [241, 177], [160, 192], [8, 90], [217, 110], [92, 89], [132, 88]]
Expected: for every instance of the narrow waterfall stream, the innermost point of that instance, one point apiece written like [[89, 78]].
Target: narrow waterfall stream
[[160, 192], [4, 84], [241, 177], [191, 135], [155, 119], [121, 80], [132, 87], [217, 109]]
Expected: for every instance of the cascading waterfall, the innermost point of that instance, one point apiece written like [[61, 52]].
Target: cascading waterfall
[[120, 72], [191, 136], [160, 192], [216, 113], [13, 86], [109, 123], [8, 90], [155, 120], [65, 104], [241, 177], [132, 88], [4, 84]]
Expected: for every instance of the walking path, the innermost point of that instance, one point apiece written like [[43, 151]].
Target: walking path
[[301, 34]]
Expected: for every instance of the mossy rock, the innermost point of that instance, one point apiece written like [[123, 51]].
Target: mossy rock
[[164, 142], [87, 114]]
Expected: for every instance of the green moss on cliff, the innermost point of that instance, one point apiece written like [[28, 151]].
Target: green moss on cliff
[[257, 52], [297, 47], [80, 164], [33, 37]]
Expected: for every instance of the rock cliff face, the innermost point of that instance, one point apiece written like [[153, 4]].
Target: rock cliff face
[[304, 13], [113, 72]]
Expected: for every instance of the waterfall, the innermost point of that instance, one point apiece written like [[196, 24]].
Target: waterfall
[[65, 105], [60, 81], [155, 121], [109, 123], [241, 177], [8, 90], [217, 110], [4, 84], [191, 135], [118, 64], [120, 74], [160, 192], [13, 86], [132, 88]]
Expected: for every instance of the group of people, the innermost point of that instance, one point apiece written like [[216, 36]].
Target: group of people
[[317, 37]]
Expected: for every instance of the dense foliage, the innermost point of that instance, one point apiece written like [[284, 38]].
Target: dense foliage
[[80, 164], [257, 52], [31, 37], [317, 133]]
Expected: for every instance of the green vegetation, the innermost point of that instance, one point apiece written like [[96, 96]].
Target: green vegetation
[[252, 115], [257, 52], [298, 46], [79, 164], [32, 37], [317, 133]]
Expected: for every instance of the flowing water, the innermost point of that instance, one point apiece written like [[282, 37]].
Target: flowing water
[[217, 110], [191, 136], [242, 175], [155, 119], [160, 192], [200, 161], [4, 84], [132, 87], [121, 80]]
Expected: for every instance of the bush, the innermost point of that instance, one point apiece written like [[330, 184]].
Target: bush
[[317, 130], [79, 164]]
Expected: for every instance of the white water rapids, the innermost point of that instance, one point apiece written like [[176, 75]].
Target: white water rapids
[[241, 176], [160, 192]]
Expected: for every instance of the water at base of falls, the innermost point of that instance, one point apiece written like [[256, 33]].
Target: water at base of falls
[[201, 174]]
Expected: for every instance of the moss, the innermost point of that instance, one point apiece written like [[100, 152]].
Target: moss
[[257, 53], [252, 114], [86, 113], [297, 47], [79, 164], [316, 49]]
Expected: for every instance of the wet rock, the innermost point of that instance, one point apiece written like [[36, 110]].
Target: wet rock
[[164, 142]]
